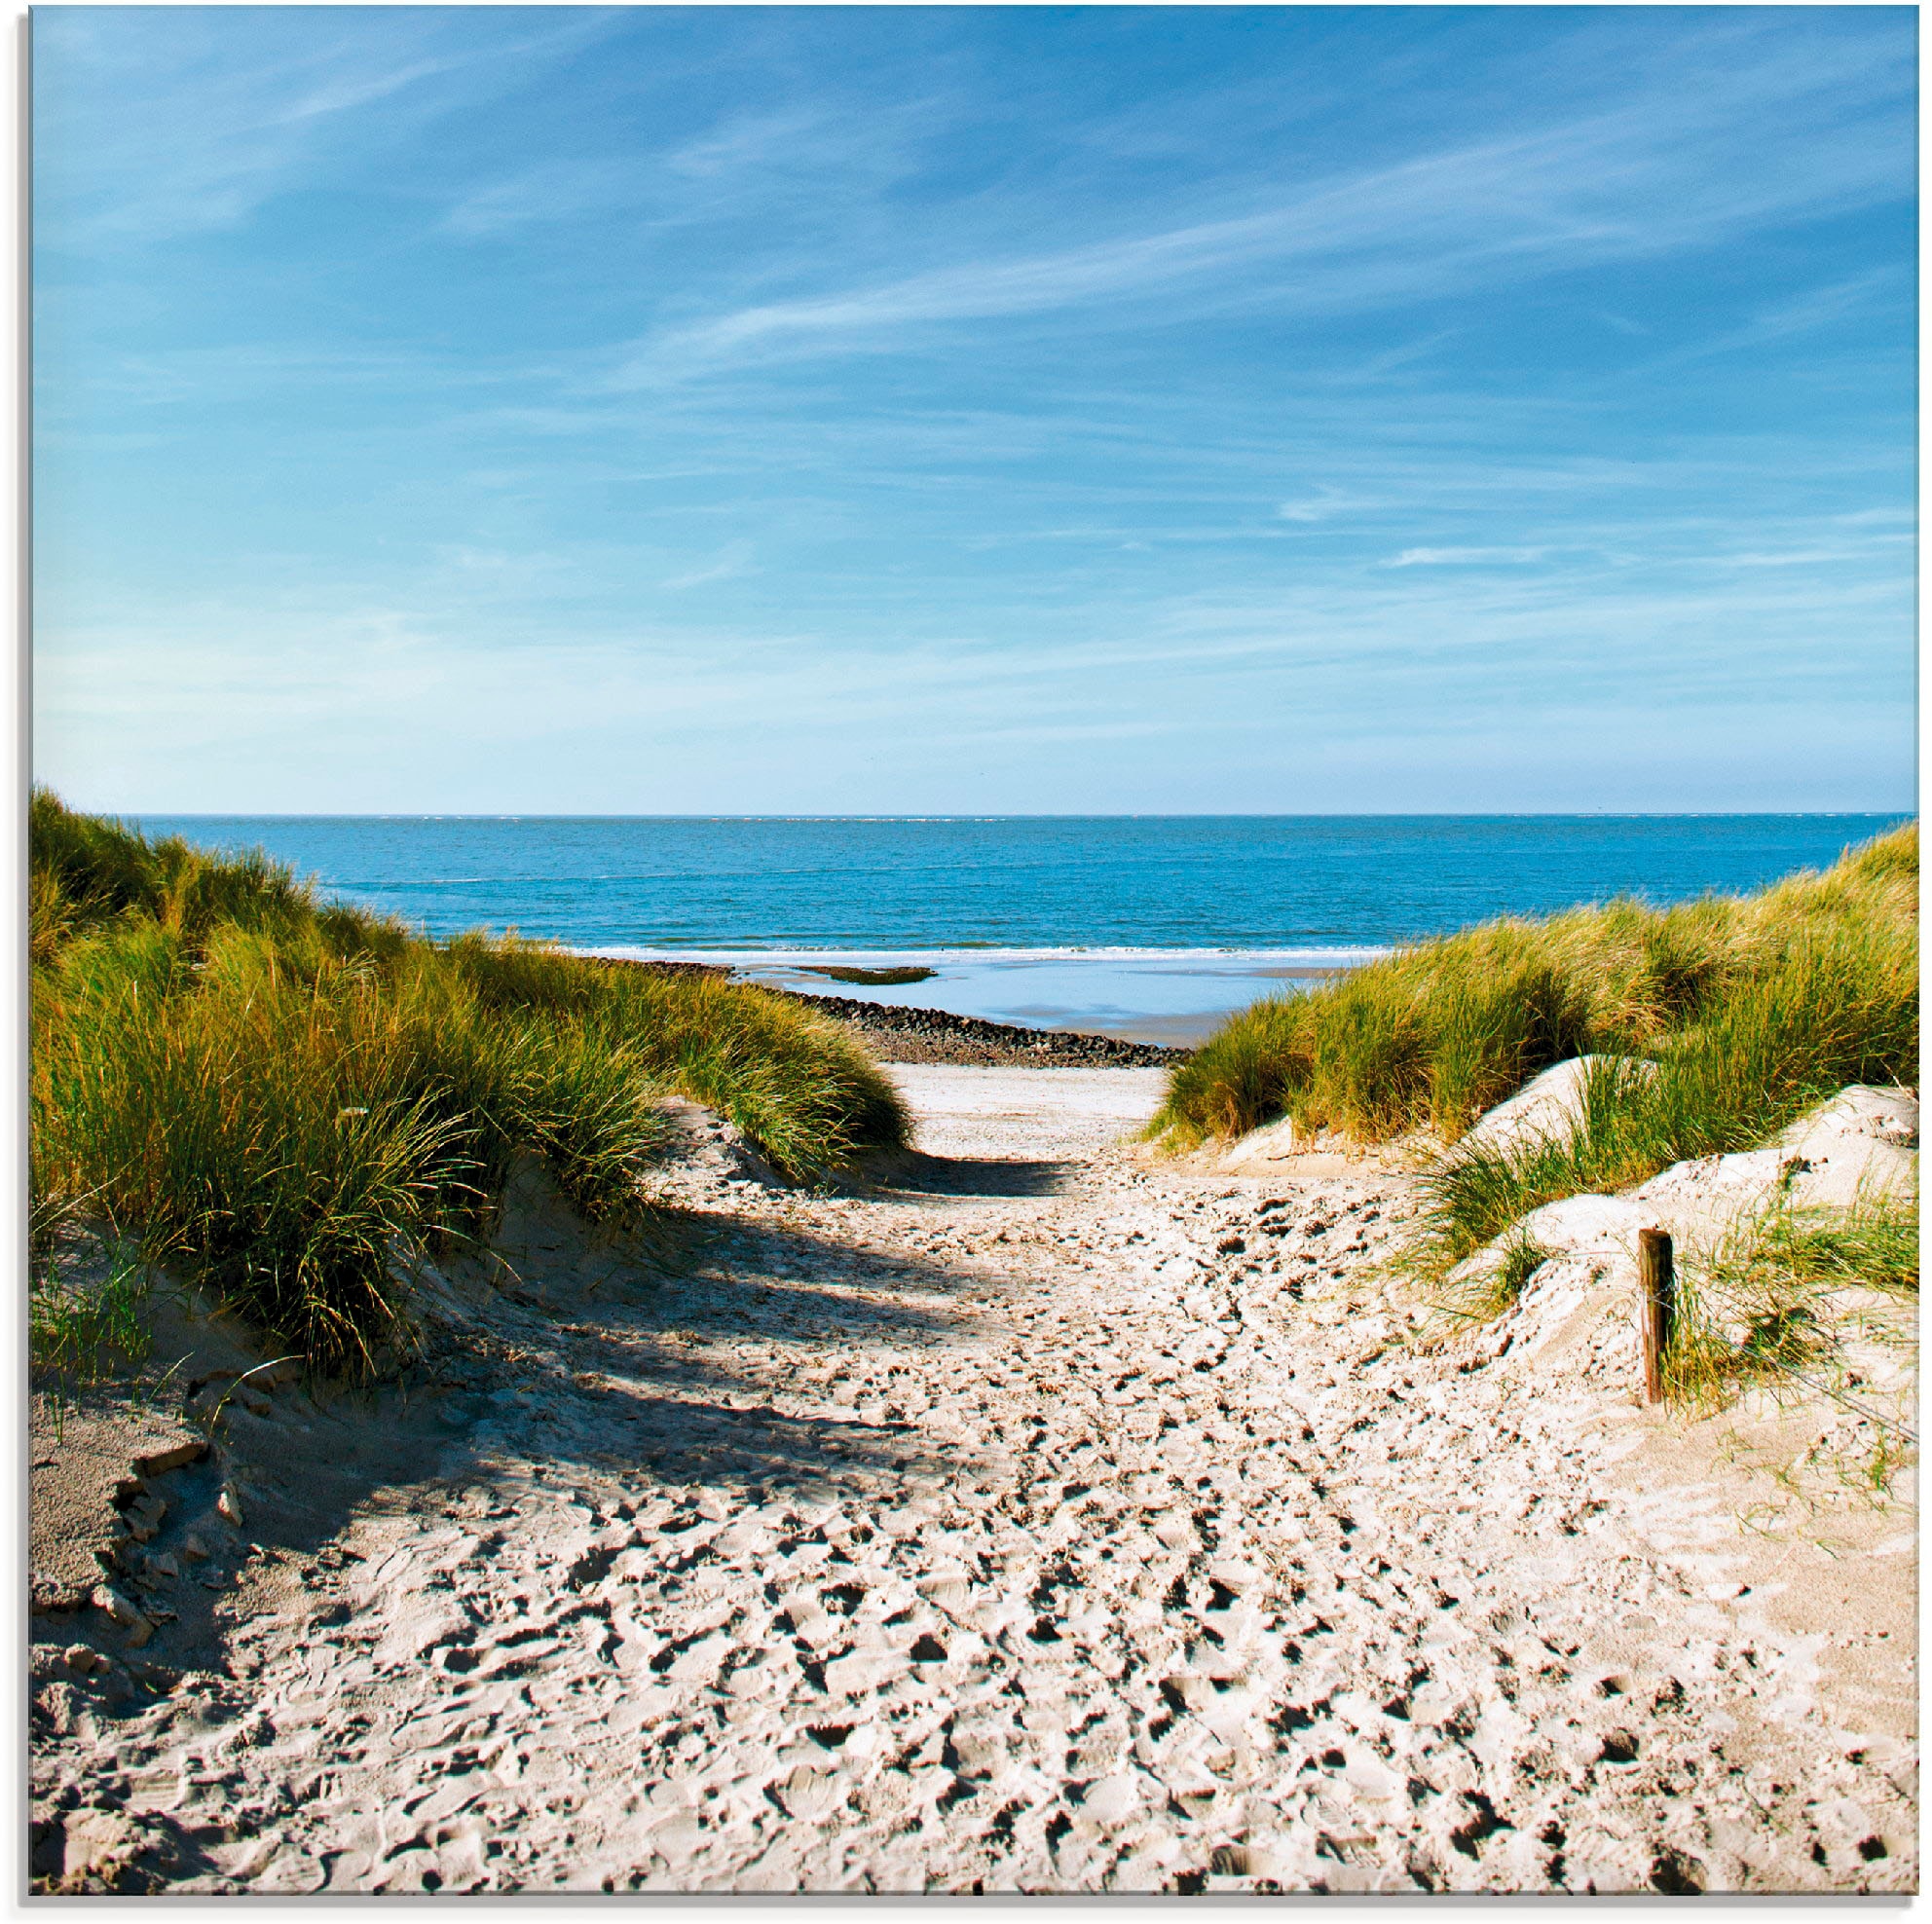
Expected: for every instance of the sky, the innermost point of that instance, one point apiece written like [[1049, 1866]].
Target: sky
[[974, 410]]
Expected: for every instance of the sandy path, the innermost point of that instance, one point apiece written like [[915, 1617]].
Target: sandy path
[[1048, 1523]]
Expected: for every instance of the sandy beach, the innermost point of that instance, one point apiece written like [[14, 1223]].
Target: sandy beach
[[970, 952], [1040, 1518]]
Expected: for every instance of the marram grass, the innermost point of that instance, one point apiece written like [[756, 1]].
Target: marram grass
[[1752, 1006], [1718, 1022], [1829, 1010], [1767, 1301], [282, 1099]]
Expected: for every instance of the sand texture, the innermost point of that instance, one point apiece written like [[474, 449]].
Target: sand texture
[[1044, 1519]]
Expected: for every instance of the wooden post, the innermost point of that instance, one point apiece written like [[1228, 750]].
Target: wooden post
[[1656, 1288]]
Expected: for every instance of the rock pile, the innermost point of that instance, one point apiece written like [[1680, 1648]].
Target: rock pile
[[897, 1034], [933, 1035]]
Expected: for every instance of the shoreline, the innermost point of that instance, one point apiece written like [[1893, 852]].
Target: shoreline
[[898, 1033], [1160, 996]]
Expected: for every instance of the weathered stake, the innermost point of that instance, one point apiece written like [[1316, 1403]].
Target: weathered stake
[[1657, 1287]]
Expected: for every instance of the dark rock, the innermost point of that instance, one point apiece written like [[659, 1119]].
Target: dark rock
[[936, 1035]]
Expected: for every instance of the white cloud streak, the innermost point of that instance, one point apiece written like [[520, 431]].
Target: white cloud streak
[[1647, 178], [220, 108], [1464, 557]]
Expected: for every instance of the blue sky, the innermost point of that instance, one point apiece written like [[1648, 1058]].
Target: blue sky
[[974, 410]]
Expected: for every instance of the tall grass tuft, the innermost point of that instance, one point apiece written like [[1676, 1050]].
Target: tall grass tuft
[[282, 1099], [1750, 1005], [1828, 1012], [792, 1082]]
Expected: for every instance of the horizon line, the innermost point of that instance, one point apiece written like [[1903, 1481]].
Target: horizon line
[[1043, 815]]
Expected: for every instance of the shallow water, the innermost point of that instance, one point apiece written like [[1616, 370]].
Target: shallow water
[[1176, 996]]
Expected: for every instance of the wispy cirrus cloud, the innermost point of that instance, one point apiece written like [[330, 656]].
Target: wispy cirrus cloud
[[1638, 180], [1464, 557], [760, 164], [1817, 307], [1323, 505], [551, 191], [217, 109], [735, 560], [788, 404], [753, 142]]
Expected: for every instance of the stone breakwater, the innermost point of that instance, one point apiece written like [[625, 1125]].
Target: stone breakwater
[[933, 1035], [897, 1034]]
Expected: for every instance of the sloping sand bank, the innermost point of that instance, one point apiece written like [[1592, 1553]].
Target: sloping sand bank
[[1045, 1520]]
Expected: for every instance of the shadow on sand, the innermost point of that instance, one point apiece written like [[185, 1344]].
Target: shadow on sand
[[909, 1172], [558, 1346]]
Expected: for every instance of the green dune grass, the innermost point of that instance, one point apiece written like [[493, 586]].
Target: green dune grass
[[282, 1098], [1766, 1303], [1751, 1009]]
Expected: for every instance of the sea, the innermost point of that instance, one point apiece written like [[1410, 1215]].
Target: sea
[[1153, 928]]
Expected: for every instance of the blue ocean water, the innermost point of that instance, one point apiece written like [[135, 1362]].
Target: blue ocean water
[[1150, 925]]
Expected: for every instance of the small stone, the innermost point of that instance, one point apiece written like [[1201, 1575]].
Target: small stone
[[82, 1660], [808, 1794], [145, 1516], [163, 1460], [122, 1611], [1235, 1576], [1111, 1800], [192, 1547], [229, 1504]]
